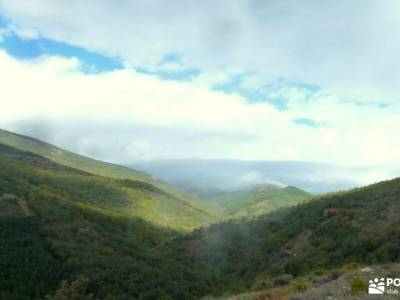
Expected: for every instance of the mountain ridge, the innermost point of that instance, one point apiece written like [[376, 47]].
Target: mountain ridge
[[97, 167], [260, 199]]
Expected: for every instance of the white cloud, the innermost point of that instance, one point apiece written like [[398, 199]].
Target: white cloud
[[125, 116]]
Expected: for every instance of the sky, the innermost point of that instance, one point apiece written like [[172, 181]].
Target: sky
[[290, 80]]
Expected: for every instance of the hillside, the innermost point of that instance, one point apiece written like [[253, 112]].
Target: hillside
[[262, 199], [119, 238], [58, 223], [101, 168], [322, 236], [347, 283], [68, 158]]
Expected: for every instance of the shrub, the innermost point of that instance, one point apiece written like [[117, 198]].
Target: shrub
[[320, 272], [350, 266], [283, 280], [358, 285], [299, 286]]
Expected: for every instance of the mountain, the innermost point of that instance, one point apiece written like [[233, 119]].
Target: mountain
[[66, 232], [296, 248], [70, 159], [60, 223], [204, 211], [259, 200], [210, 178]]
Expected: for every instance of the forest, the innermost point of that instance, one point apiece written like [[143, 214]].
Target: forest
[[69, 233]]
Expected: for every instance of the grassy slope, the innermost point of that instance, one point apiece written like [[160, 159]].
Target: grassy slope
[[70, 159], [135, 199], [105, 169], [360, 226], [259, 200]]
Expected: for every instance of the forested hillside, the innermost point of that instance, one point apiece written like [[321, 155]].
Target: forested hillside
[[104, 169], [58, 223], [125, 239], [361, 226]]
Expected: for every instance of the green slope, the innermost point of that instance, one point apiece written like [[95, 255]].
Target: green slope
[[126, 236], [68, 158], [361, 226], [255, 201], [105, 169], [122, 197], [57, 223]]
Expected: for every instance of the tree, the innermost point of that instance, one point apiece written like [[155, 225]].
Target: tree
[[76, 290]]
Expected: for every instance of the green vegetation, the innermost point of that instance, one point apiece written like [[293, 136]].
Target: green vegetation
[[113, 197], [260, 200], [75, 290], [27, 269], [59, 223], [345, 229], [66, 233], [358, 285], [70, 159]]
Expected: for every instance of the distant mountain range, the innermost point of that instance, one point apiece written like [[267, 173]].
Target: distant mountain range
[[210, 178]]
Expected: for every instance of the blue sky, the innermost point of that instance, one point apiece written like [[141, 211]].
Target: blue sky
[[268, 92], [23, 48], [306, 122]]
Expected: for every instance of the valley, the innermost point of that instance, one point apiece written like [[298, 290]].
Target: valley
[[69, 222], [199, 150]]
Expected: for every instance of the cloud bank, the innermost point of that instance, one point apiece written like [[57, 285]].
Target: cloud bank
[[209, 178], [166, 119]]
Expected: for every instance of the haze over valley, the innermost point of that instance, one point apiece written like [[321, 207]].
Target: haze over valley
[[211, 177]]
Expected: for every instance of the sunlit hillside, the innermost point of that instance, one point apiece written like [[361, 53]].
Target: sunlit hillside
[[259, 200]]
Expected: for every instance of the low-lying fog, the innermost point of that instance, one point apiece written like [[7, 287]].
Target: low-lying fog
[[211, 177]]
